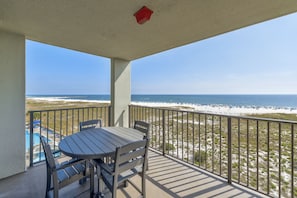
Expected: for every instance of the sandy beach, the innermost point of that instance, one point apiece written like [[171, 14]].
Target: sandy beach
[[46, 103]]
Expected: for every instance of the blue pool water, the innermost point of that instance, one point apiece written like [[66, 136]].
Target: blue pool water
[[36, 139]]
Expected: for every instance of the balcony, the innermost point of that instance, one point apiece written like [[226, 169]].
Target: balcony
[[192, 154], [166, 177], [202, 142]]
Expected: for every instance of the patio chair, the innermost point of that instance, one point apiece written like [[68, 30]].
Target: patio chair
[[130, 160], [143, 127], [60, 175], [90, 124]]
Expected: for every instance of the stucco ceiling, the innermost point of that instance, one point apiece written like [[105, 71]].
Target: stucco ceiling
[[108, 28]]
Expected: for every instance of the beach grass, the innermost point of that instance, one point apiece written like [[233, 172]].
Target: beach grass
[[65, 121], [33, 104], [280, 116]]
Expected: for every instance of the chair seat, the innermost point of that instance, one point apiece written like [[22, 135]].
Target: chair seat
[[68, 172], [108, 178], [80, 167]]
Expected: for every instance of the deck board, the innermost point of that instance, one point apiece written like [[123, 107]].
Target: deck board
[[165, 178]]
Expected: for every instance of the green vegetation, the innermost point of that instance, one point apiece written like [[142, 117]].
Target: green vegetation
[[168, 147], [200, 157], [64, 117], [280, 116]]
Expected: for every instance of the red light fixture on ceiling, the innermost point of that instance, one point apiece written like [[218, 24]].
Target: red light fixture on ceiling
[[143, 15]]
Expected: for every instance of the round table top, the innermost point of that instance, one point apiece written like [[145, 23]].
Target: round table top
[[98, 142]]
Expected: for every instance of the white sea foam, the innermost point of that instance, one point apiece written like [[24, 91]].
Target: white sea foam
[[211, 108], [66, 99], [222, 109]]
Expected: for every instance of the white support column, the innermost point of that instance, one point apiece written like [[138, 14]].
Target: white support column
[[12, 104], [120, 92]]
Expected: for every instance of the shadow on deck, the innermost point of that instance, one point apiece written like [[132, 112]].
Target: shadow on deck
[[166, 178]]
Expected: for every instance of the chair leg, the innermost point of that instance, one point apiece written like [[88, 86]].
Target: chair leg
[[56, 188], [48, 183], [84, 180], [114, 192], [98, 178], [91, 181], [143, 186]]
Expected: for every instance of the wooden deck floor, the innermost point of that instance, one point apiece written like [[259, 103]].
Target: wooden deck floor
[[166, 178]]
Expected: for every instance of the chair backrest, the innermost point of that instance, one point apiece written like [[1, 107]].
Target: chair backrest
[[90, 124], [143, 127], [130, 156], [50, 161]]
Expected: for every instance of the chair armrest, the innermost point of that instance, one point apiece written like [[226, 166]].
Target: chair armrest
[[72, 162]]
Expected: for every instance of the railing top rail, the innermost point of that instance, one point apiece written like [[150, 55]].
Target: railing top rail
[[64, 109], [221, 115]]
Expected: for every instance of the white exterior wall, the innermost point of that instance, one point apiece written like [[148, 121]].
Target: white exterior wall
[[12, 104], [120, 92]]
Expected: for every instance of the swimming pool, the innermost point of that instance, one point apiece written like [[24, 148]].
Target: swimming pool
[[36, 139], [37, 156]]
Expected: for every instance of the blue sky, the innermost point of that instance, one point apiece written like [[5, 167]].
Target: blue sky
[[260, 59]]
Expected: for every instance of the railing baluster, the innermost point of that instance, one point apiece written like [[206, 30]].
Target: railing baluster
[[31, 138], [130, 116], [168, 132], [238, 139], [78, 118], [177, 132], [268, 158], [205, 139], [279, 158], [47, 124], [159, 128], [187, 137], [247, 153], [229, 150], [72, 122], [220, 145], [61, 130], [199, 141], [182, 137], [97, 109], [292, 160], [257, 148], [163, 129], [142, 115], [193, 137], [67, 122], [40, 124], [54, 130], [212, 141]]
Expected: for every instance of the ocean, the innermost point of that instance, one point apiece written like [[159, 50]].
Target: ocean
[[230, 104]]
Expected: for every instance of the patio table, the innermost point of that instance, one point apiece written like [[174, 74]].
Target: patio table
[[98, 142]]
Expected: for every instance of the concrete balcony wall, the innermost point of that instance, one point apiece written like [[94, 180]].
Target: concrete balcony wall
[[12, 104]]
